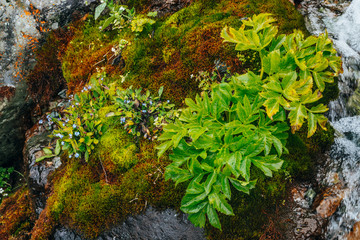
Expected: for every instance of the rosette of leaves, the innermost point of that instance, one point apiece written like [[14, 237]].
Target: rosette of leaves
[[80, 128], [143, 114], [215, 142], [120, 17], [294, 70]]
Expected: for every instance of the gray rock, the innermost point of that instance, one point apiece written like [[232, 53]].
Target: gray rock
[[38, 172], [152, 224], [17, 29]]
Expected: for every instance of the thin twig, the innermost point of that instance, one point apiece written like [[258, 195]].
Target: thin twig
[[106, 179], [98, 62]]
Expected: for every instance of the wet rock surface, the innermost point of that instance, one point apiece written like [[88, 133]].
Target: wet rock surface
[[164, 7], [330, 201], [23, 23], [14, 121], [304, 222], [38, 172], [152, 224]]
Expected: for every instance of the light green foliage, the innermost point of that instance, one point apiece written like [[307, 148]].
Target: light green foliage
[[120, 17], [143, 114], [215, 142], [5, 186], [241, 122], [293, 71]]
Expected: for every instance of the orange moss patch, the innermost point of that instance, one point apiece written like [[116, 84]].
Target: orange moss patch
[[44, 226], [16, 216]]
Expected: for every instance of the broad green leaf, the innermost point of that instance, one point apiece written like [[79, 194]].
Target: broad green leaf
[[241, 186], [225, 186], [234, 163], [319, 81], [297, 115], [47, 151], [99, 9], [220, 203], [44, 157], [58, 147], [320, 108], [191, 199], [211, 179], [161, 89], [245, 168], [198, 219], [195, 208], [163, 147], [213, 217], [152, 14], [313, 120]]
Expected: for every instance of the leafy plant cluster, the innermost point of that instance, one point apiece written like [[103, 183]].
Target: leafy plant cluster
[[293, 72], [120, 17], [5, 186], [143, 114], [80, 127], [242, 123]]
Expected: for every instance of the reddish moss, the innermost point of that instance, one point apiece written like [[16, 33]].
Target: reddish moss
[[6, 92], [44, 226], [16, 216]]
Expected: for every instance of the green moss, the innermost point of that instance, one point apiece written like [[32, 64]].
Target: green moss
[[90, 202], [117, 148], [182, 44]]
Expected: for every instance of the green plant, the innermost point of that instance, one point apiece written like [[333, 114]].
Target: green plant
[[143, 114], [79, 129], [289, 67], [242, 122], [5, 186], [121, 17]]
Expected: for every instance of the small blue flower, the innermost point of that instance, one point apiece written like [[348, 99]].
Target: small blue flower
[[62, 143], [122, 119], [144, 111], [77, 104], [150, 102], [144, 104], [85, 89], [89, 87], [168, 101], [102, 78], [77, 133], [77, 155], [66, 120], [63, 124], [70, 135], [70, 156], [74, 125], [82, 90], [41, 121]]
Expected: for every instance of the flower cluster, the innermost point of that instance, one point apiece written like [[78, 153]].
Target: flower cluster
[[143, 114], [80, 128]]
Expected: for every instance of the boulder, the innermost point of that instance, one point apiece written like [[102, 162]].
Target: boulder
[[22, 26], [152, 224]]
